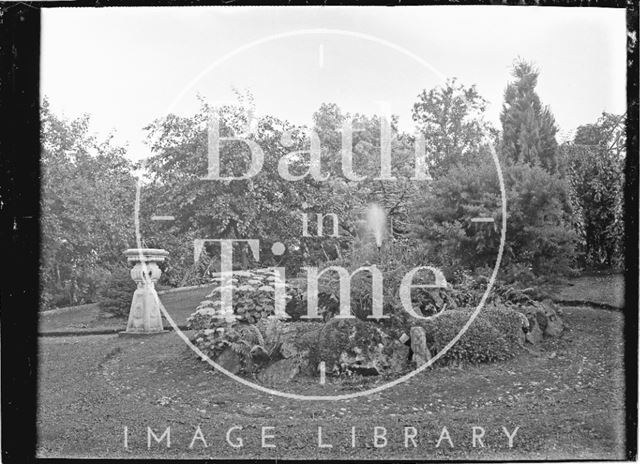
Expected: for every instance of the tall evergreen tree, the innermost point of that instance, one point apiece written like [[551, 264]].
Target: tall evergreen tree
[[528, 128]]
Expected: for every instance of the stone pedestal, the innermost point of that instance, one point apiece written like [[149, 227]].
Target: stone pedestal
[[145, 316]]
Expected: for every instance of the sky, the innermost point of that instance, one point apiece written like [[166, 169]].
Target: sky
[[126, 67]]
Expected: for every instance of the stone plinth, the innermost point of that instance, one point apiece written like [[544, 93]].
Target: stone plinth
[[145, 316]]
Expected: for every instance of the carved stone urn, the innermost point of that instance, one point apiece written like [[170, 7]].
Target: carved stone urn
[[144, 315]]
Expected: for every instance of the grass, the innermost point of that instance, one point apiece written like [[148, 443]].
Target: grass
[[180, 304], [567, 399], [598, 289], [607, 289]]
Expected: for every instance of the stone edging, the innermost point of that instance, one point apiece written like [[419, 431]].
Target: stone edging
[[591, 304], [181, 289], [78, 333], [92, 305]]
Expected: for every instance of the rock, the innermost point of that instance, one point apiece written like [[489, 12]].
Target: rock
[[540, 317], [421, 353], [522, 335], [433, 300], [554, 326], [544, 320], [397, 354], [534, 335], [297, 338], [255, 410], [230, 360], [281, 371], [437, 299], [522, 338], [352, 345]]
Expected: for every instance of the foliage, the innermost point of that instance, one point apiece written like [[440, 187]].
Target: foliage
[[349, 198], [508, 321], [594, 167], [86, 209], [257, 344], [450, 118], [264, 206], [393, 260], [468, 289], [538, 231], [482, 342], [115, 293], [253, 299], [528, 128]]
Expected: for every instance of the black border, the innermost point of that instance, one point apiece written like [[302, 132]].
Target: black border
[[631, 235], [20, 210], [19, 213]]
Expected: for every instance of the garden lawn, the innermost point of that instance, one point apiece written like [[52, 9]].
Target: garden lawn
[[606, 289], [180, 305], [566, 397]]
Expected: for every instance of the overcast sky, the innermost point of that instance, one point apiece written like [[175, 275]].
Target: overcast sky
[[128, 66]]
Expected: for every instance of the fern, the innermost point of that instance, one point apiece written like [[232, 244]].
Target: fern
[[252, 335], [241, 347]]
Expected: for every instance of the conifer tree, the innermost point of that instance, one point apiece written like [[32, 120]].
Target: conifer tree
[[528, 128]]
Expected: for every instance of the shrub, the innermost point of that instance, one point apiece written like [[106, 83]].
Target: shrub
[[253, 299], [482, 342], [539, 235], [508, 322], [595, 173], [115, 293], [257, 344], [393, 261]]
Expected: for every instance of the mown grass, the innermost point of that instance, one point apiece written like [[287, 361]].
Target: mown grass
[[605, 289], [179, 304]]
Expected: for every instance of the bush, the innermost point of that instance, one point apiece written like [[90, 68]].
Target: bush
[[539, 235], [115, 293], [253, 299], [257, 344], [508, 322], [596, 177], [495, 335], [394, 261]]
